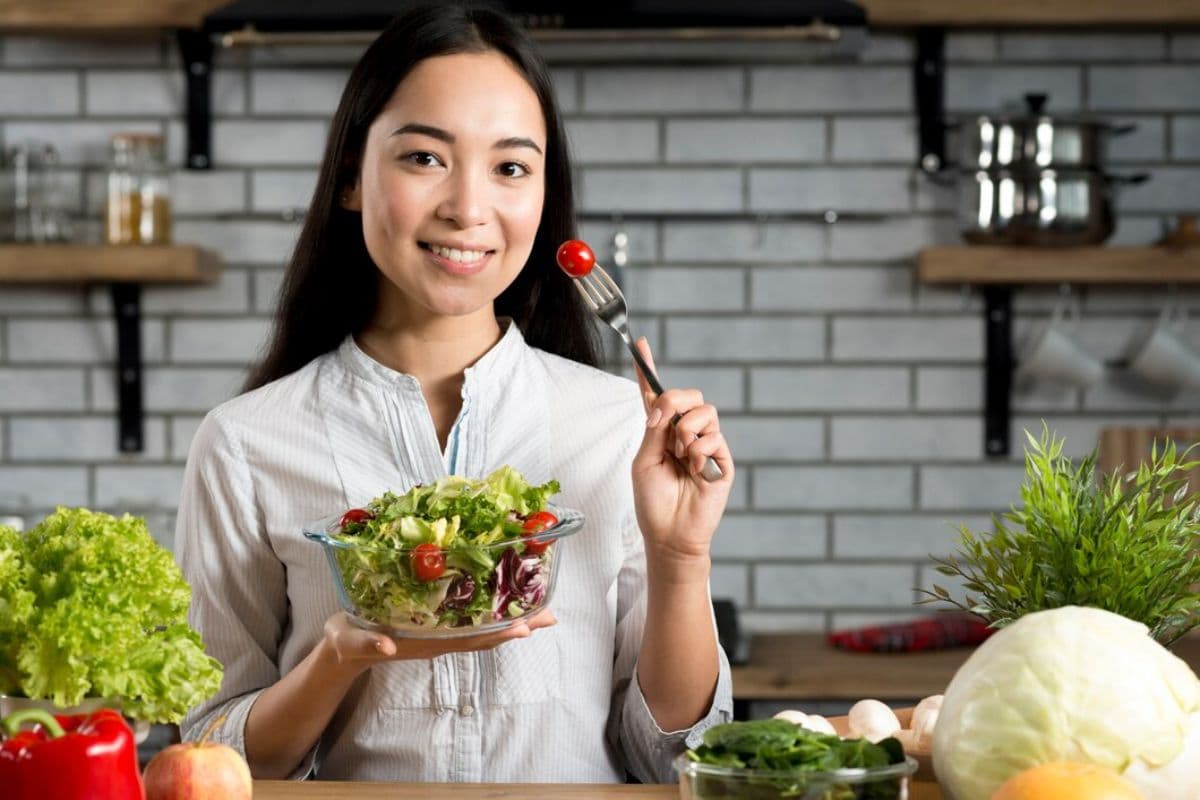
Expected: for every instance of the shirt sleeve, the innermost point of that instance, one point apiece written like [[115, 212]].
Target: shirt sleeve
[[648, 750], [239, 590]]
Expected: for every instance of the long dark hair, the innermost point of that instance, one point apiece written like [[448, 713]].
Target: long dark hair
[[331, 286]]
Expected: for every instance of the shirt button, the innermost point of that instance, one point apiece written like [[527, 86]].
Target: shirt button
[[467, 711]]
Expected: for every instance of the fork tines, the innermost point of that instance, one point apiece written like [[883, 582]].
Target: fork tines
[[597, 288]]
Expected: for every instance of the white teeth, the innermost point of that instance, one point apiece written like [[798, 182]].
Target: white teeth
[[462, 256]]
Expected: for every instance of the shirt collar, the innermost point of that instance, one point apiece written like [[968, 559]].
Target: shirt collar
[[500, 360]]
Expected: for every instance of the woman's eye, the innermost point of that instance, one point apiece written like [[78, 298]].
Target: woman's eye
[[513, 169], [421, 158]]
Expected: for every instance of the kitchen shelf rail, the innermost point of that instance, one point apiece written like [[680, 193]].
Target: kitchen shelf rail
[[999, 270], [125, 268], [1028, 13]]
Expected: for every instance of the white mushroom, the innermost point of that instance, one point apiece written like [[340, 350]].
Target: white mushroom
[[795, 717], [924, 720], [819, 724], [923, 735], [872, 720], [931, 703]]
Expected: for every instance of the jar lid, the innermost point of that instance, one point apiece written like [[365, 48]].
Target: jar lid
[[137, 137]]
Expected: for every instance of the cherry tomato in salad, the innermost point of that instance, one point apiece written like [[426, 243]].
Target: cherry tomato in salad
[[575, 258], [356, 515], [428, 561], [535, 523]]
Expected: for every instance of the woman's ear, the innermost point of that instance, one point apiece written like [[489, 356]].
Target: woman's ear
[[350, 198]]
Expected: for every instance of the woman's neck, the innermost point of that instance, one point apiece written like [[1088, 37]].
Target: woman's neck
[[437, 354], [430, 353]]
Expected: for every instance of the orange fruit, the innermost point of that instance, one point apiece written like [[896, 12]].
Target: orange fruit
[[1066, 780]]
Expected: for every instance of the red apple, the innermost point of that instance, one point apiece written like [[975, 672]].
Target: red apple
[[198, 771]]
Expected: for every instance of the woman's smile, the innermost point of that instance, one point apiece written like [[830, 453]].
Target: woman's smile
[[457, 260]]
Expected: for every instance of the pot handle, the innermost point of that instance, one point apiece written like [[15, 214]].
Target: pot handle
[[1117, 130], [1137, 177]]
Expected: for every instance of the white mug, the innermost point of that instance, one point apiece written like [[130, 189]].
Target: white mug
[[1051, 353], [1162, 355]]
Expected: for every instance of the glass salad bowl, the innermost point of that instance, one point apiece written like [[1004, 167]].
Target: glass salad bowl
[[700, 781], [429, 591]]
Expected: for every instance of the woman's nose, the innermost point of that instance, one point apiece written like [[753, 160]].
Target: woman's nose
[[466, 199]]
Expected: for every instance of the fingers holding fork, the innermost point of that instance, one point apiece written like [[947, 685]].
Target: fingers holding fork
[[695, 429]]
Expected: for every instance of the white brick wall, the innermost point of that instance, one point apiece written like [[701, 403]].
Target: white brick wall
[[850, 394]]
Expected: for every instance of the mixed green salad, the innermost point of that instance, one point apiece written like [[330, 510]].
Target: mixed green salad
[[459, 552], [793, 762]]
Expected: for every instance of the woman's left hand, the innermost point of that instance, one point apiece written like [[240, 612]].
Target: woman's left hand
[[677, 509]]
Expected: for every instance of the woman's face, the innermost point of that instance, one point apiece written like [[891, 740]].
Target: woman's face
[[451, 186]]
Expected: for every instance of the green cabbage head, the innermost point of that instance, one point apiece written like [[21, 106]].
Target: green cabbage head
[[1070, 684]]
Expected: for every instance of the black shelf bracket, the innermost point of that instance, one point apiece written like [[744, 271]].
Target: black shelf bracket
[[997, 409], [929, 90], [196, 47], [127, 311]]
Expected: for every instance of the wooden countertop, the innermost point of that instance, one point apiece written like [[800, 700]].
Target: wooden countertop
[[801, 666], [334, 790], [783, 667]]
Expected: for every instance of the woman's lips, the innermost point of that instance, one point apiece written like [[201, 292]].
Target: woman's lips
[[441, 256]]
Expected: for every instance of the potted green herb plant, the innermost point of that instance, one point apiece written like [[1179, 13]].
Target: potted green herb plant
[[93, 612], [1128, 543]]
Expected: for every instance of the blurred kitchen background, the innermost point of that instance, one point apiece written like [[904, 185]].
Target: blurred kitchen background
[[766, 210]]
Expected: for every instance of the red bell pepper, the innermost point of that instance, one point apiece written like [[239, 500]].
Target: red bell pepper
[[81, 757]]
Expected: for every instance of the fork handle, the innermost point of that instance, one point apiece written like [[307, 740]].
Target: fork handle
[[710, 471], [651, 378]]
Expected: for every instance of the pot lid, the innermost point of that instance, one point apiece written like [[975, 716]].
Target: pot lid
[[1035, 113]]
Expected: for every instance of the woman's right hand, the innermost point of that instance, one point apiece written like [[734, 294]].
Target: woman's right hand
[[355, 649]]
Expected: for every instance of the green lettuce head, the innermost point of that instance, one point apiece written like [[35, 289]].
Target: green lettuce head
[[1070, 684], [100, 611], [16, 606]]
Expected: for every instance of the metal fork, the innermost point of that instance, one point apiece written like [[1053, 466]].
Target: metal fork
[[602, 295]]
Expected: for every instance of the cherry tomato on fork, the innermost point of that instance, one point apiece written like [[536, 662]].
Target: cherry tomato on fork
[[428, 561], [534, 524], [575, 258], [356, 515]]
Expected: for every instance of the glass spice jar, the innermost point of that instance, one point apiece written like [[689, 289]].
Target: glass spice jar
[[139, 204]]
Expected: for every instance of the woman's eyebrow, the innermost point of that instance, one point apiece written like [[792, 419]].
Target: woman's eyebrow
[[425, 130], [446, 136], [517, 141]]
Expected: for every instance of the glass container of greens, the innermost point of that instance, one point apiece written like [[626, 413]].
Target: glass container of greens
[[775, 759], [458, 557]]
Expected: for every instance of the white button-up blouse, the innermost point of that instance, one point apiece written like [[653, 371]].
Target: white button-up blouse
[[560, 706]]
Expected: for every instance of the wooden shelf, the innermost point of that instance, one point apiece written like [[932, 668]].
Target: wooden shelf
[[126, 268], [998, 270], [1030, 13], [75, 263], [88, 15], [1040, 265]]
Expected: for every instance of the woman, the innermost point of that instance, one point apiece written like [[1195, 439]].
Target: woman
[[424, 329]]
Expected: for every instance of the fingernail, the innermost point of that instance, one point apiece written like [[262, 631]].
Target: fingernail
[[655, 417], [678, 449]]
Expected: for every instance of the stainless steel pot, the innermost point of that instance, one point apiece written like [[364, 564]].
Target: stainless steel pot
[[1032, 140], [1047, 207]]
